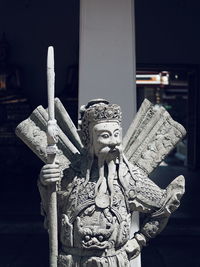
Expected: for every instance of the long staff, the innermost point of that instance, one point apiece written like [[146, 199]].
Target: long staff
[[52, 138]]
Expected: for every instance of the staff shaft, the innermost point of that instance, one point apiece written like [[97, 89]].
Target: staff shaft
[[51, 155], [50, 82]]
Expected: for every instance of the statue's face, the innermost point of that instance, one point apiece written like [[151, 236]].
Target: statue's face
[[106, 135]]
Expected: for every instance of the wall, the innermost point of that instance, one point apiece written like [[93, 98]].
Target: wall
[[107, 59]]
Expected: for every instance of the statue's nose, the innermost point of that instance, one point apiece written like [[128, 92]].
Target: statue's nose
[[113, 143], [112, 146]]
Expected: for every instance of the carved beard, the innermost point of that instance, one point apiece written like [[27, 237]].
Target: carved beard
[[107, 158]]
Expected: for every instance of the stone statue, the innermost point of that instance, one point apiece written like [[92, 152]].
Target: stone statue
[[102, 179]]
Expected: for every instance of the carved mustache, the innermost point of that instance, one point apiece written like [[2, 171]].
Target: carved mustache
[[111, 149]]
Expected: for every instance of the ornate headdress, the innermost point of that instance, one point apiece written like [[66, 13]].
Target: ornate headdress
[[96, 111]]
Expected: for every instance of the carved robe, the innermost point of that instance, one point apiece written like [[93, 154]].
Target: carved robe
[[93, 236]]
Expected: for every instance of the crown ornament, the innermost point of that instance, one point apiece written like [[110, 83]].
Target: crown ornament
[[97, 111]]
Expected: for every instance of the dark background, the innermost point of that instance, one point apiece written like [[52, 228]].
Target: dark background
[[167, 33]]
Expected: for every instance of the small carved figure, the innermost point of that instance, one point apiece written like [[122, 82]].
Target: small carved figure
[[103, 179]]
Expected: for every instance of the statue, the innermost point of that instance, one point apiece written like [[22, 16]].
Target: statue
[[102, 179]]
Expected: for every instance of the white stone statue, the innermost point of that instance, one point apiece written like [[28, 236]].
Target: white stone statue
[[102, 179]]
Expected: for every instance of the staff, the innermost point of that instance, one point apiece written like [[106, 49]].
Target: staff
[[52, 139]]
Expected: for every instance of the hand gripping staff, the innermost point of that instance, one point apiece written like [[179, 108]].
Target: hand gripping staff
[[52, 139]]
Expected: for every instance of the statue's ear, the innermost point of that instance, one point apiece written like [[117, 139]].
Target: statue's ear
[[121, 132], [91, 135], [84, 137], [80, 133], [91, 151]]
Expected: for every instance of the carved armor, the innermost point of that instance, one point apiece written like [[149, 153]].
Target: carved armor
[[97, 236]]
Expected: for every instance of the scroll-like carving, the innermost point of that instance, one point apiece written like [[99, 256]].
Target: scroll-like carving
[[33, 132], [151, 136]]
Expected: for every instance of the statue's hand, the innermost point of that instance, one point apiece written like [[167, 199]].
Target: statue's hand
[[132, 248], [175, 191], [50, 173]]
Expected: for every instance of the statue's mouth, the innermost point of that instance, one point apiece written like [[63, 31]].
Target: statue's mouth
[[113, 150], [95, 244]]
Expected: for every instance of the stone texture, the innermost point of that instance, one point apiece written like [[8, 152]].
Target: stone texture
[[103, 182]]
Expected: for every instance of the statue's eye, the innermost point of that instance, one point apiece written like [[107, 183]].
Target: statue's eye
[[105, 135], [116, 134], [100, 238], [87, 237]]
